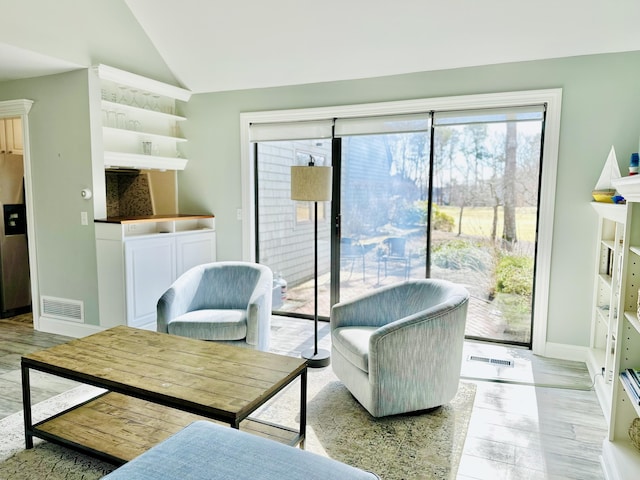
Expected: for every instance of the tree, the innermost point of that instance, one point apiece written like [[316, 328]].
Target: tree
[[509, 234], [445, 147], [474, 150]]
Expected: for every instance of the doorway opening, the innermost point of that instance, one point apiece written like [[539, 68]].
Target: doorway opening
[[15, 281]]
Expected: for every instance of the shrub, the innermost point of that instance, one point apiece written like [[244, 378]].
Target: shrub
[[405, 215], [514, 274], [460, 254], [441, 221]]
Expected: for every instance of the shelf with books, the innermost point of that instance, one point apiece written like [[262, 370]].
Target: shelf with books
[[620, 458], [631, 385], [610, 255]]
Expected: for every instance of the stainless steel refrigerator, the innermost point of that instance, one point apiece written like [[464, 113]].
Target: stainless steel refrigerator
[[15, 286]]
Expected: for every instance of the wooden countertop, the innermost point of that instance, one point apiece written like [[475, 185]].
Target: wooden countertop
[[152, 218]]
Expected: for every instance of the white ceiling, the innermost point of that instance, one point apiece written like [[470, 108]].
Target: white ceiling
[[217, 45]]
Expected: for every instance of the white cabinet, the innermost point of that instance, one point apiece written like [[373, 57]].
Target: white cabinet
[[140, 128], [11, 136], [139, 259], [193, 249], [150, 267]]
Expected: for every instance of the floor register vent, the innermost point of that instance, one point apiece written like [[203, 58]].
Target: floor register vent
[[62, 308], [493, 361]]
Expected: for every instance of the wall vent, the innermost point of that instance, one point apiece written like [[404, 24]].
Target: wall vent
[[62, 308], [492, 361]]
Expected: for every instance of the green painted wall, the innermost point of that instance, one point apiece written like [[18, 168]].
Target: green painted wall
[[61, 168], [601, 107]]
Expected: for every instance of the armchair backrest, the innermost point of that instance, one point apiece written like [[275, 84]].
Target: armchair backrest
[[399, 301], [226, 285], [415, 296]]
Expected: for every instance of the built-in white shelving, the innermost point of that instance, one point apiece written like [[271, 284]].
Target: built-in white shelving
[[140, 161], [609, 256], [140, 127], [615, 330], [628, 187]]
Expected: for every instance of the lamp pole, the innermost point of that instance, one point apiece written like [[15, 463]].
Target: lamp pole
[[315, 276]]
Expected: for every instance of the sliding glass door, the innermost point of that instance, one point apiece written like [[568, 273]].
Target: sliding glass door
[[450, 195]]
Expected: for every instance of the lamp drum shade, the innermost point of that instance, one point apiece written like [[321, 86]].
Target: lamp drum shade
[[311, 183]]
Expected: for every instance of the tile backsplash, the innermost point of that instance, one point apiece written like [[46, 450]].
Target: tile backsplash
[[128, 194]]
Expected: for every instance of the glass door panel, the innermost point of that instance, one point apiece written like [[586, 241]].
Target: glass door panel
[[285, 233], [484, 221], [383, 210]]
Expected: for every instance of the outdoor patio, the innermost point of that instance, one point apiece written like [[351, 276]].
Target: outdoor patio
[[484, 319]]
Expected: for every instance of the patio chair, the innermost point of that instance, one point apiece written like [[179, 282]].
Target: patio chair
[[398, 349], [228, 302], [394, 251]]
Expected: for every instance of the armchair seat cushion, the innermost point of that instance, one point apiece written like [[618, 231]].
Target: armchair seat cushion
[[353, 344], [211, 324], [228, 302]]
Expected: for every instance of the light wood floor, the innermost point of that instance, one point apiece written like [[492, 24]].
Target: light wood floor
[[517, 430]]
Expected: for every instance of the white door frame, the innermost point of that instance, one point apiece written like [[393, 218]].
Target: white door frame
[[12, 109], [551, 97]]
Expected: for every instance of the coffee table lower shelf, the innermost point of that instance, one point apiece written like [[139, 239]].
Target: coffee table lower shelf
[[118, 428]]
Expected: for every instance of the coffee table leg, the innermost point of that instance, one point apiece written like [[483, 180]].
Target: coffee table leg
[[303, 407], [26, 407]]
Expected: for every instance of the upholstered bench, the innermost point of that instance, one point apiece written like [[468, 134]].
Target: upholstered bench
[[206, 451]]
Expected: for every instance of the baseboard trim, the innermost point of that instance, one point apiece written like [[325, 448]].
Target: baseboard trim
[[562, 351], [62, 327]]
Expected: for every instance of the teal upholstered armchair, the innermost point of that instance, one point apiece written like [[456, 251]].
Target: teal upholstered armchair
[[223, 301], [399, 348]]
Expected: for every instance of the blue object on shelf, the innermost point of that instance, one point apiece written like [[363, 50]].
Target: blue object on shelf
[[634, 160]]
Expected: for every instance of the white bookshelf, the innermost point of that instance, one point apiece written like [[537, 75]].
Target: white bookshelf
[[615, 330]]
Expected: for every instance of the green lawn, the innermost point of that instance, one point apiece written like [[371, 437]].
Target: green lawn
[[477, 221]]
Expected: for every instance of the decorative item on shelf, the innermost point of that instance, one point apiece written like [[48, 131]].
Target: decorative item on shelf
[[604, 191], [312, 183], [634, 432], [633, 164]]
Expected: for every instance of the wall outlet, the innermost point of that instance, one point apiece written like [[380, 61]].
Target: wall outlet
[[84, 219], [238, 214]]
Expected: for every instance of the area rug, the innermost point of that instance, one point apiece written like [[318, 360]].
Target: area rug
[[403, 447]]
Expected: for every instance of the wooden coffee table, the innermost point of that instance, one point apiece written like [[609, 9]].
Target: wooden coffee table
[[157, 384]]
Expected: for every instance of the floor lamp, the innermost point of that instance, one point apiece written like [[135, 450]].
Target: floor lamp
[[312, 183]]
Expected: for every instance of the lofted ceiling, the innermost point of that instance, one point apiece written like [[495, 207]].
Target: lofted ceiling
[[218, 45]]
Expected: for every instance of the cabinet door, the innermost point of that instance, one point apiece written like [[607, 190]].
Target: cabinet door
[[195, 249], [14, 135], [150, 270], [3, 136]]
